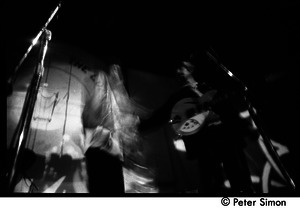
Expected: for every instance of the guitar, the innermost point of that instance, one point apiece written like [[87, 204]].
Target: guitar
[[190, 114]]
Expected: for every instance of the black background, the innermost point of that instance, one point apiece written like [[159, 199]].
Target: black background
[[258, 42]]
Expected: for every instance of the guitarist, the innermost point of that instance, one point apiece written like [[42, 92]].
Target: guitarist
[[218, 141]]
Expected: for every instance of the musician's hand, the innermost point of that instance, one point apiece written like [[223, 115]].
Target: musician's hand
[[104, 139]]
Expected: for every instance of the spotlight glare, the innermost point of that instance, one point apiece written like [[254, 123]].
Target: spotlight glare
[[66, 137]]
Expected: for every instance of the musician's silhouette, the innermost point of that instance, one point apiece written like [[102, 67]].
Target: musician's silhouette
[[207, 119]]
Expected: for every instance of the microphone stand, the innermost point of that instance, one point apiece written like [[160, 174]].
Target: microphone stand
[[12, 79], [21, 132], [273, 157]]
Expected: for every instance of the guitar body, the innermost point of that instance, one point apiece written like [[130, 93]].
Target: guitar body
[[190, 114], [187, 119], [192, 111]]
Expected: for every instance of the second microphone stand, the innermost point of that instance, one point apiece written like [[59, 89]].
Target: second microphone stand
[[273, 157]]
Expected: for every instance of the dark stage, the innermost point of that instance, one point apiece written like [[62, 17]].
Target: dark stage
[[257, 42]]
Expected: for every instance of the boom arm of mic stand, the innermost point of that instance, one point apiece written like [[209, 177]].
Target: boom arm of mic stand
[[266, 140]]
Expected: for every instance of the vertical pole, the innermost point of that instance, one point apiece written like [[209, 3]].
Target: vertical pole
[[66, 113]]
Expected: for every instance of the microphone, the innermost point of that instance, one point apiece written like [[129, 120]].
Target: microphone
[[48, 34]]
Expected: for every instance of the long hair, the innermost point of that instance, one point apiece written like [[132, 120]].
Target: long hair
[[123, 113], [111, 107]]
